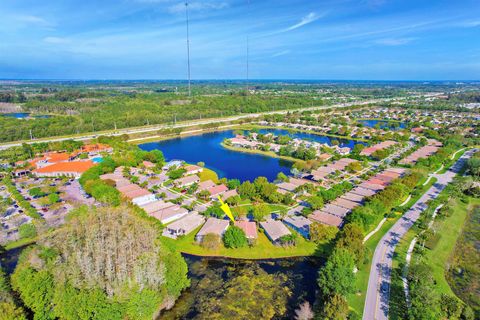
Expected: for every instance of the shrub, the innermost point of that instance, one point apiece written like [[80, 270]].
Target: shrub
[[211, 241], [234, 237]]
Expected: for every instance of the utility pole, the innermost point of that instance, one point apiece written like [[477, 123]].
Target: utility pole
[[115, 126], [31, 135], [188, 49]]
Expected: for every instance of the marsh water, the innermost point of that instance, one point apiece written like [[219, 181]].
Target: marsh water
[[208, 274], [233, 164]]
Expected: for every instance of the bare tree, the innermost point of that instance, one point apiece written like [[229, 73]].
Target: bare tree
[[304, 312]]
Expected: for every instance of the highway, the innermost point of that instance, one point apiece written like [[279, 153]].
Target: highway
[[378, 292], [154, 128]]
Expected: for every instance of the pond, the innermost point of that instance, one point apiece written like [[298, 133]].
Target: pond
[[207, 275], [24, 115], [227, 163], [383, 124], [9, 259]]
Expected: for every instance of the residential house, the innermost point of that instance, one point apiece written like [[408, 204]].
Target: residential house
[[136, 194], [183, 226], [249, 227], [299, 224], [326, 218], [229, 194], [72, 169], [274, 230], [217, 190], [192, 169], [213, 225], [205, 185], [186, 181]]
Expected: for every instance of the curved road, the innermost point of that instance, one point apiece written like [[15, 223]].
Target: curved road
[[378, 292]]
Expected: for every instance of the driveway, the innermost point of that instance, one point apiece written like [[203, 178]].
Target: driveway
[[378, 292]]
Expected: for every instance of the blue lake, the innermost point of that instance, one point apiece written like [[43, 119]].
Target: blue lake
[[24, 115], [383, 124], [228, 163]]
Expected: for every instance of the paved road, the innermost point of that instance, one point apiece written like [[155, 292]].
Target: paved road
[[155, 128], [378, 292]]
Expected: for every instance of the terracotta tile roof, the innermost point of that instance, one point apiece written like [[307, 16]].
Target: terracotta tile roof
[[72, 166], [95, 147]]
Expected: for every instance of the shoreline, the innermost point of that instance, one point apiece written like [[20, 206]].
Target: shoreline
[[214, 256], [263, 153], [306, 131]]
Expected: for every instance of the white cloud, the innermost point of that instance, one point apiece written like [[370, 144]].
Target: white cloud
[[56, 40], [471, 24], [309, 18], [281, 53], [394, 41], [33, 20]]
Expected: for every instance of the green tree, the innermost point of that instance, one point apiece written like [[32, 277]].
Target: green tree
[[233, 184], [337, 276], [260, 211], [335, 308], [282, 177], [320, 232], [351, 239], [315, 202], [53, 198], [234, 237], [247, 190]]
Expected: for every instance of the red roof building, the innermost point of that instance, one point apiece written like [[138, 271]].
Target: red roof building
[[69, 169]]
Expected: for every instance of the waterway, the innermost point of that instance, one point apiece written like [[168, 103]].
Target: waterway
[[233, 164], [208, 274], [383, 124]]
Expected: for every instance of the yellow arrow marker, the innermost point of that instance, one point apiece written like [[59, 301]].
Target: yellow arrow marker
[[226, 209]]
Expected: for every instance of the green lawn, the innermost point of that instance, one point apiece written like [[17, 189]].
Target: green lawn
[[437, 258], [208, 174], [20, 243], [263, 249], [450, 229]]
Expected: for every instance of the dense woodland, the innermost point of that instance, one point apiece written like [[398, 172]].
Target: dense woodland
[[103, 264]]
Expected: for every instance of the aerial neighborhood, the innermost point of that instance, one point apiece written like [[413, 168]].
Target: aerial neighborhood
[[240, 160], [325, 176]]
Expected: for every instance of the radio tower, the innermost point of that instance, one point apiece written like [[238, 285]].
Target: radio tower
[[188, 49], [248, 49]]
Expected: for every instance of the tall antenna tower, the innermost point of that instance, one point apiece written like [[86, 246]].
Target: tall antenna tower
[[248, 50], [188, 49]]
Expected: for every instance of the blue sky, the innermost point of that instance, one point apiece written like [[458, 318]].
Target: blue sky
[[289, 39]]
